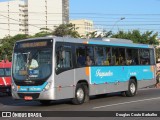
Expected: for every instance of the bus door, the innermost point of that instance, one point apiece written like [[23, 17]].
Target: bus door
[[64, 78]]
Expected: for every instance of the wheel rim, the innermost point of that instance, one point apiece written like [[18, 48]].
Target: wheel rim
[[80, 94], [132, 88]]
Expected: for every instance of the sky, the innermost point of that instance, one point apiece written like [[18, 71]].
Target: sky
[[106, 14]]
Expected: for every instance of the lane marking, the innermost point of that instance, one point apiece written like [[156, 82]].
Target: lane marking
[[147, 89], [126, 103]]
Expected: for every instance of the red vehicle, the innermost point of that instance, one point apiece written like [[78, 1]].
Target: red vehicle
[[5, 76]]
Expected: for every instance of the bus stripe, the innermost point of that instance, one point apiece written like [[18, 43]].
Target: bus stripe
[[4, 81], [87, 71]]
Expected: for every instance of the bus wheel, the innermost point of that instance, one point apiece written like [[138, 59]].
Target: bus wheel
[[80, 94], [132, 88], [45, 102]]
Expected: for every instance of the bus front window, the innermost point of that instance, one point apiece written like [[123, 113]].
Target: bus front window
[[32, 64]]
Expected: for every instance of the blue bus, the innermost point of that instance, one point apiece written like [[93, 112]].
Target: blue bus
[[71, 68]]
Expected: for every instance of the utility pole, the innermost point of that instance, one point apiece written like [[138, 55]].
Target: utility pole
[[46, 15], [8, 21], [122, 18]]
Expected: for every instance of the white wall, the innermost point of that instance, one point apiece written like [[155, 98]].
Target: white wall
[[37, 14], [10, 26]]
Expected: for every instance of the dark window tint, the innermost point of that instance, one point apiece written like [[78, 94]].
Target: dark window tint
[[121, 57], [80, 55], [107, 55], [118, 56], [89, 56], [152, 58], [84, 56], [114, 56], [132, 56], [63, 57], [99, 56], [2, 72], [8, 71], [144, 56]]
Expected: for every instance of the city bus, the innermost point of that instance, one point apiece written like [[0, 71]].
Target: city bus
[[5, 76], [72, 68]]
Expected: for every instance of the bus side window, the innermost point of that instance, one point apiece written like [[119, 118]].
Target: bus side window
[[132, 56], [64, 62], [63, 58], [1, 72], [80, 56], [121, 57], [107, 55], [90, 54], [144, 56], [99, 55], [114, 56]]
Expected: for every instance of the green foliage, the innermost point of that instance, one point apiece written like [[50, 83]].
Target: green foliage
[[136, 36], [42, 34], [157, 53], [94, 34], [8, 44], [66, 30], [107, 34]]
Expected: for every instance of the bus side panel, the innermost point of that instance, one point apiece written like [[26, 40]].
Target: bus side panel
[[82, 74], [108, 88], [64, 84], [115, 78], [94, 88]]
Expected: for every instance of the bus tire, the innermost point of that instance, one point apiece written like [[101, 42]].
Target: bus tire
[[45, 102], [80, 94], [132, 88], [86, 93]]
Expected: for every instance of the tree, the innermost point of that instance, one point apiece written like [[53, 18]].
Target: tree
[[66, 30], [8, 44], [136, 36], [92, 35], [42, 34], [157, 53], [96, 34]]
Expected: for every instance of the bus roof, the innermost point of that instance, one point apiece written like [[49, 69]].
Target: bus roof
[[97, 41]]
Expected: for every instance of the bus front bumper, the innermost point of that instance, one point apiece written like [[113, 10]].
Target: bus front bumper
[[43, 95]]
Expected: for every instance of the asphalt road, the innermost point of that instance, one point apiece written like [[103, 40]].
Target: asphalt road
[[147, 99]]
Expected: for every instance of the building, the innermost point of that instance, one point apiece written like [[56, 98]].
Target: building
[[10, 18], [29, 16], [84, 26]]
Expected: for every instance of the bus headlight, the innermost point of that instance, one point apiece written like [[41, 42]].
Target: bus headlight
[[13, 87], [47, 86]]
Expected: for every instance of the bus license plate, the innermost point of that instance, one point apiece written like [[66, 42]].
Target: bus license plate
[[28, 98]]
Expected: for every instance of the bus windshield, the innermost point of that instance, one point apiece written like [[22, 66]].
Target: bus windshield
[[32, 64]]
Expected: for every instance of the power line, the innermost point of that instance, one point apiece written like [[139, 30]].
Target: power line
[[90, 13], [16, 20]]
